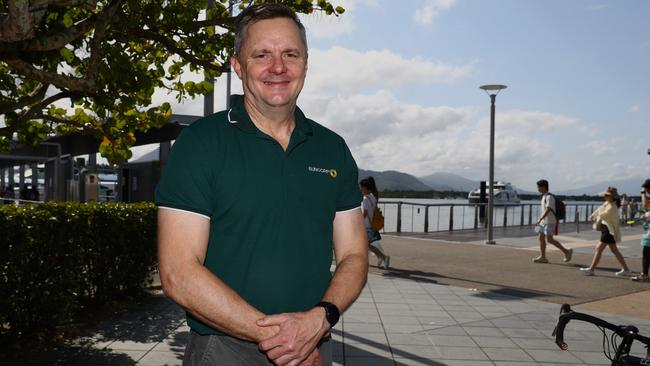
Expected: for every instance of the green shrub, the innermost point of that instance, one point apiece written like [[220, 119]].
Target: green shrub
[[58, 258]]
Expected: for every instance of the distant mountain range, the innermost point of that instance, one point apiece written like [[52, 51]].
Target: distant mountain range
[[392, 180], [449, 182], [630, 186]]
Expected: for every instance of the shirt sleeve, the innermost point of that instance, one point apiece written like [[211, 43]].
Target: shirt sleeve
[[349, 195], [187, 177], [550, 203], [365, 205]]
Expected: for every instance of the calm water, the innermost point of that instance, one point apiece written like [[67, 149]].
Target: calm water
[[457, 213]]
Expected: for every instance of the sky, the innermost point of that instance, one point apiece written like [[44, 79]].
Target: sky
[[399, 81]]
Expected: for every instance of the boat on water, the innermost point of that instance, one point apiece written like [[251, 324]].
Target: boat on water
[[504, 194]]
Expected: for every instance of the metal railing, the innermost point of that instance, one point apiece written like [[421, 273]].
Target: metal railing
[[434, 217]]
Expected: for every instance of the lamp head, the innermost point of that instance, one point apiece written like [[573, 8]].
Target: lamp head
[[493, 89], [490, 87]]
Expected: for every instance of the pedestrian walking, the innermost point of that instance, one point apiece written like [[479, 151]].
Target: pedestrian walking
[[633, 208], [624, 208], [645, 239], [254, 204], [546, 225], [368, 208], [607, 220]]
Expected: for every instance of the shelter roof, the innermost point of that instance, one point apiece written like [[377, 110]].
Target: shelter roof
[[81, 144]]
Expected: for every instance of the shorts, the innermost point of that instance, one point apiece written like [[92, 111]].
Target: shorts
[[546, 229], [214, 350], [605, 236], [372, 235]]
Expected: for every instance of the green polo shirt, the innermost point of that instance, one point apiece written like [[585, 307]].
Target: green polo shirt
[[271, 211]]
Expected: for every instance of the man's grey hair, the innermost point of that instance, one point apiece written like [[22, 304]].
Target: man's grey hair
[[256, 13]]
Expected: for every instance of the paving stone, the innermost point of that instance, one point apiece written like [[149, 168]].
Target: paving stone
[[506, 354], [461, 353], [155, 358]]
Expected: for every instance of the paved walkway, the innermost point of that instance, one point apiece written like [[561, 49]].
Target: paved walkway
[[400, 320]]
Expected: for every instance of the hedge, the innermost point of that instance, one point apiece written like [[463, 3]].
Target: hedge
[[57, 259]]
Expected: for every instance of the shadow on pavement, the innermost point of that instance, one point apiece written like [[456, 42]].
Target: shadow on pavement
[[372, 351], [141, 327], [487, 287]]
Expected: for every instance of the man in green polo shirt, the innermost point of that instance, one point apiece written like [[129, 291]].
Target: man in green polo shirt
[[251, 203]]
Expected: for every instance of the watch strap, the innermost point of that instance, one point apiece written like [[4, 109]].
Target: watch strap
[[332, 313]]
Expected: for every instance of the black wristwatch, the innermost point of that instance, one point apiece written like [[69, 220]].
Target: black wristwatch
[[332, 313]]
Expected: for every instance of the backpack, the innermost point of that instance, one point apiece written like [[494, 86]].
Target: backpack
[[560, 208], [377, 220]]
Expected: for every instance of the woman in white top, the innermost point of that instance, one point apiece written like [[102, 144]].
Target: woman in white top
[[610, 232], [368, 206]]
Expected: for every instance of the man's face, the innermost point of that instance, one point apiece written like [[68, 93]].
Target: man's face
[[541, 189], [272, 63]]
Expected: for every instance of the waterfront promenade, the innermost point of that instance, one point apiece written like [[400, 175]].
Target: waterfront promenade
[[442, 302]]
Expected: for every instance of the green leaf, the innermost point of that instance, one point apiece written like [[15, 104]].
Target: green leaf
[[67, 55], [67, 20]]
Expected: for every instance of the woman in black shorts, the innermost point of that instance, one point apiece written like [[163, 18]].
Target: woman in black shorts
[[610, 232]]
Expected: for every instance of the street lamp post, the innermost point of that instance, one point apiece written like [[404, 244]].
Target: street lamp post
[[492, 91]]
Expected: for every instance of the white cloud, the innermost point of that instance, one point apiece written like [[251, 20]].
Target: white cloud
[[598, 147], [635, 108], [533, 121], [385, 133], [431, 9], [361, 119], [351, 71]]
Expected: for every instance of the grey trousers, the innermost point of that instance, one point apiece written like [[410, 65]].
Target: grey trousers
[[213, 350]]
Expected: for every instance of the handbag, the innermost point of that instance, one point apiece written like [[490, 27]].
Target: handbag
[[598, 224]]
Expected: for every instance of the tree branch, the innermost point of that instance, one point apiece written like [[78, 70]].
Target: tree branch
[[52, 42], [171, 46], [60, 81], [100, 32], [43, 4], [37, 109], [28, 100], [19, 24], [49, 42], [61, 121]]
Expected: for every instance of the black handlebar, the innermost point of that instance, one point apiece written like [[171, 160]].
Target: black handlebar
[[566, 315]]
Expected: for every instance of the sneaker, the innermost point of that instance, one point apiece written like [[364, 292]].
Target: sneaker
[[568, 255], [386, 262], [540, 259], [587, 271], [624, 273], [380, 262], [641, 278]]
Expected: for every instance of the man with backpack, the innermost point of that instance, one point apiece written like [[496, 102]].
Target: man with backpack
[[548, 221]]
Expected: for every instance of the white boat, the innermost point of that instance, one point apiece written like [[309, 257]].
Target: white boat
[[504, 194]]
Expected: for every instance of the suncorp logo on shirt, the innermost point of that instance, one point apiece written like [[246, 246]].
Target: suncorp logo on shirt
[[331, 172]]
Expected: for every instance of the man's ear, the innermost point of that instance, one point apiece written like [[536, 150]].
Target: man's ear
[[235, 65]]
